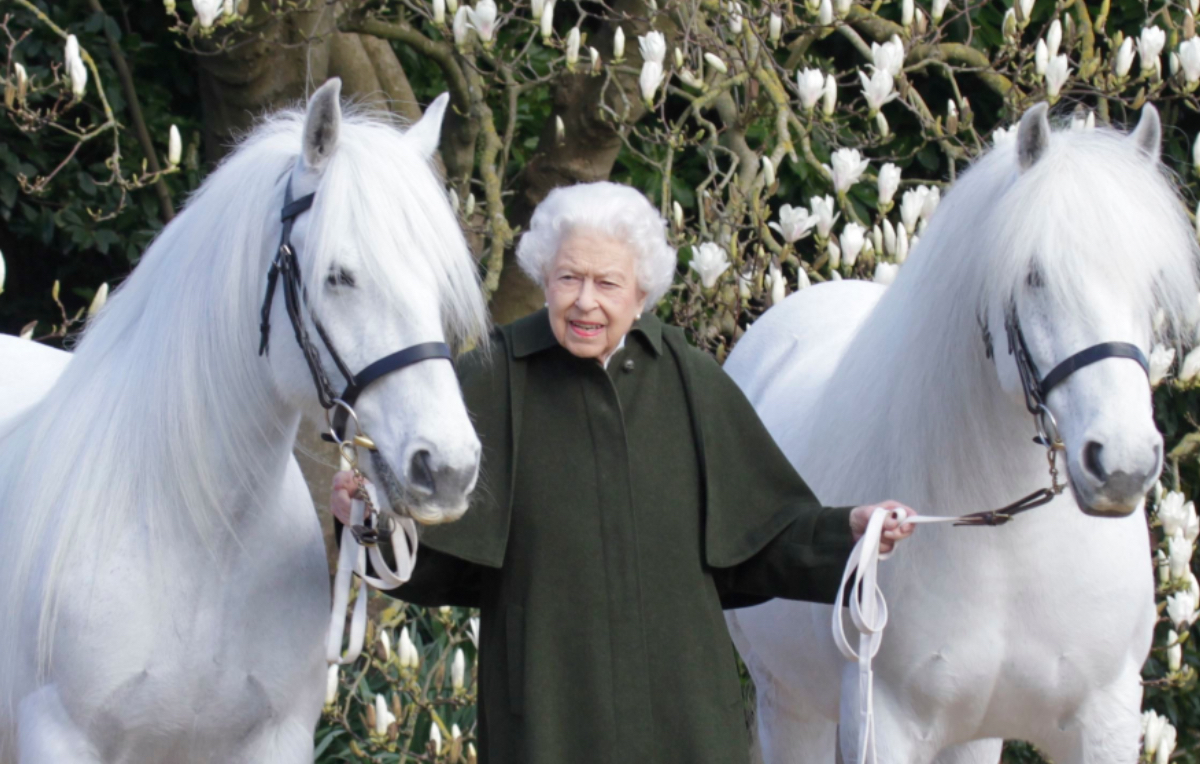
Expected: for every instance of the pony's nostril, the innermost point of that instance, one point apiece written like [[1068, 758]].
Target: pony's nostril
[[1091, 460], [420, 474]]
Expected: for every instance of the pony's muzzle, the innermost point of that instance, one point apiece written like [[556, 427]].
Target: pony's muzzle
[[1113, 487]]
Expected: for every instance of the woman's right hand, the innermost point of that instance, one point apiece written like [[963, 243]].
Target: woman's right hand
[[343, 487]]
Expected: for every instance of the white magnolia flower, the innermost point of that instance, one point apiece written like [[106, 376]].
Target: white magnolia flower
[[649, 80], [678, 58], [1150, 44], [385, 644], [906, 13], [331, 684], [1191, 527], [455, 732], [435, 737], [409, 657], [1189, 60], [1179, 555], [802, 280], [439, 12], [889, 237], [735, 18], [469, 209], [76, 70], [458, 670], [536, 7], [901, 243], [878, 89], [1152, 729], [716, 63], [452, 6], [876, 238], [1026, 9], [825, 13], [911, 205], [560, 130], [1008, 26], [885, 273], [823, 209], [1041, 57], [653, 47], [98, 300], [383, 715], [1124, 57], [932, 200], [829, 96], [1058, 71], [1172, 514], [1174, 652], [889, 56], [768, 168], [691, 80], [938, 9], [811, 84], [842, 7], [745, 282], [835, 254], [951, 110], [853, 238], [881, 125], [775, 28], [595, 56], [1162, 566], [619, 44], [1181, 609], [775, 281], [461, 27], [1161, 359], [546, 22], [848, 167], [709, 261], [1166, 744], [572, 48], [229, 8], [1054, 37], [1003, 135], [473, 630], [207, 12], [888, 182], [1193, 586], [794, 223], [22, 81], [677, 214], [483, 19]]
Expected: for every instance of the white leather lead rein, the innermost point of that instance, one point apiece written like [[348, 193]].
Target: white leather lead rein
[[352, 559], [869, 614]]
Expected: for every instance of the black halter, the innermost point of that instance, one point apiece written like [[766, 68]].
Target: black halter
[[287, 265], [1037, 389]]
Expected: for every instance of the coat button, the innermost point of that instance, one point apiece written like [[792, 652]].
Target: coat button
[[628, 365]]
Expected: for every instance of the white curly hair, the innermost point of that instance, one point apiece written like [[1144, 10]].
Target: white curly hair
[[605, 207]]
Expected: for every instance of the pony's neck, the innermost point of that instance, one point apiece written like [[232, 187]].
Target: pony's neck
[[952, 439]]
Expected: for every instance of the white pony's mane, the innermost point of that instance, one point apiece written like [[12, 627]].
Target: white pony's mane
[[142, 427], [915, 380]]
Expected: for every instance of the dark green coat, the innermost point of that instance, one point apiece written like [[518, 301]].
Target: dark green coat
[[618, 510]]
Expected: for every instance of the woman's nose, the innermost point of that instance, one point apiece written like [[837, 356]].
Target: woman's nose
[[586, 299]]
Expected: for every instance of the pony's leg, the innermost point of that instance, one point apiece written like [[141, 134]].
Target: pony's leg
[[46, 734], [789, 733], [975, 752], [1106, 729], [290, 741]]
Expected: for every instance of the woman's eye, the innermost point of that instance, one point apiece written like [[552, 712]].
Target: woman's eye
[[340, 277]]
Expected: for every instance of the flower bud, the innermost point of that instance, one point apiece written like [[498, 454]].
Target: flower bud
[[595, 55], [458, 670], [618, 45], [439, 12], [98, 301], [546, 22], [775, 28], [174, 146], [716, 63], [677, 215], [768, 169], [572, 48], [560, 130], [1174, 652]]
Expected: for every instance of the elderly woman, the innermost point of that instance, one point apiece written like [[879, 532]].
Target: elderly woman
[[629, 493]]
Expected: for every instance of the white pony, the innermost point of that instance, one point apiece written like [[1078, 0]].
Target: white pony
[[163, 582], [1036, 630]]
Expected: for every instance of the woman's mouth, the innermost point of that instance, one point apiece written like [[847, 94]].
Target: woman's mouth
[[584, 329]]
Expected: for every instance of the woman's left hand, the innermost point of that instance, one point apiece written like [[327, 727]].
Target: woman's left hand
[[893, 531]]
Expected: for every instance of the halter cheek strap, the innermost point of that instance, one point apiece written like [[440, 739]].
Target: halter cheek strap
[[286, 266], [1089, 356]]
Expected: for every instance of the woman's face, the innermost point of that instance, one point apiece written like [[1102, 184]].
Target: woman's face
[[592, 293]]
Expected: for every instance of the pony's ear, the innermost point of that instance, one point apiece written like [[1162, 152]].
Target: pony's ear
[[321, 124], [1033, 135], [1147, 136], [426, 133]]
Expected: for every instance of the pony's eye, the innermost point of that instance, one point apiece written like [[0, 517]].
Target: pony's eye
[[340, 277]]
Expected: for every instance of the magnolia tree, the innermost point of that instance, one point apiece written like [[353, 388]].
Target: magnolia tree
[[786, 144]]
